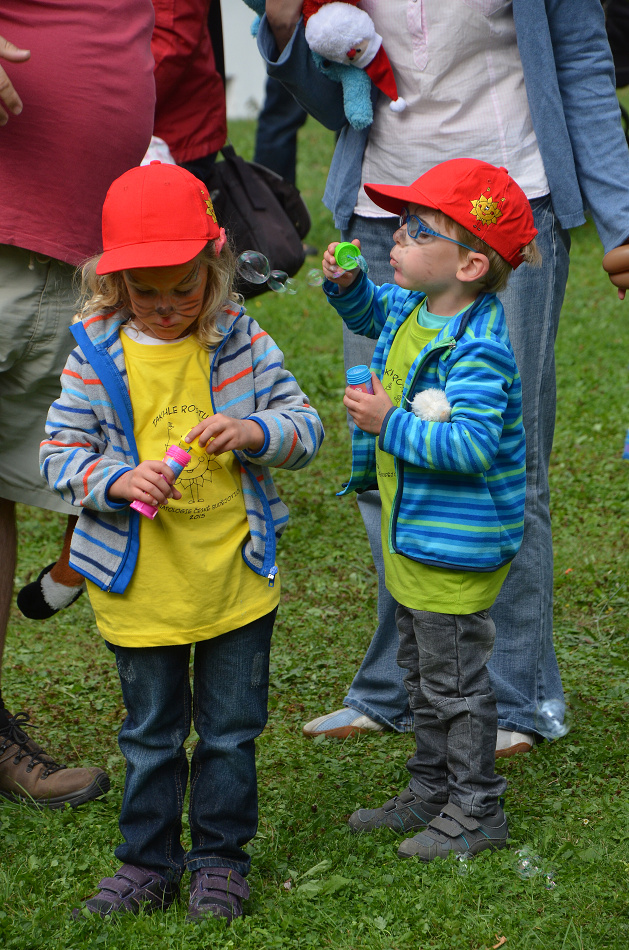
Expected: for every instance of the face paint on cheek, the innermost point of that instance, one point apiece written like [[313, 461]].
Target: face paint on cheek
[[187, 303]]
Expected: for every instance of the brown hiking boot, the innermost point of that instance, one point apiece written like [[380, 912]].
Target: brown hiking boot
[[28, 775]]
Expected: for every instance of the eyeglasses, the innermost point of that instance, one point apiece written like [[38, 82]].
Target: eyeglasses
[[415, 227]]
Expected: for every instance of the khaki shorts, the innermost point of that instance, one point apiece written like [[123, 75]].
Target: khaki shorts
[[36, 309]]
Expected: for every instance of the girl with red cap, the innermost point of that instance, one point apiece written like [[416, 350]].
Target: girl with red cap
[[166, 354]]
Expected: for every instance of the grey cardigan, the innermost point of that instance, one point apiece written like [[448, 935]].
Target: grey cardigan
[[90, 441]]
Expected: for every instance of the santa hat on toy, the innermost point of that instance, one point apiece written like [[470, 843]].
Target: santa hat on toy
[[339, 31], [381, 74]]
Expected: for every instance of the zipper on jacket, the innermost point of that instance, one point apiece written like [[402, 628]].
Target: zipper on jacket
[[272, 574], [259, 492]]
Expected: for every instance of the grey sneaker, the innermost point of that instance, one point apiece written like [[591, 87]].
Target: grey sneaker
[[454, 831], [405, 812]]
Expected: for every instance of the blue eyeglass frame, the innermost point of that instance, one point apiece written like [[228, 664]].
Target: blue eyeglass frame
[[418, 227]]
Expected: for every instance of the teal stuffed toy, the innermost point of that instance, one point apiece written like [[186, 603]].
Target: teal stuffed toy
[[347, 49]]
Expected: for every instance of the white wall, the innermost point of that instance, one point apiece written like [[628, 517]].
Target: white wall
[[244, 69]]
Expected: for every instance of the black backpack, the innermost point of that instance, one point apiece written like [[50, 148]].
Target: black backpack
[[260, 212]]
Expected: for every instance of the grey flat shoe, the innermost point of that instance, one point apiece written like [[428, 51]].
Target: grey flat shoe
[[405, 812], [454, 831]]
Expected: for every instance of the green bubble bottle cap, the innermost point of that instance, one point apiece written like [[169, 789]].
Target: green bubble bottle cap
[[346, 255]]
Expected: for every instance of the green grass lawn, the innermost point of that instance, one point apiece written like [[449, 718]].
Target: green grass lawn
[[313, 883]]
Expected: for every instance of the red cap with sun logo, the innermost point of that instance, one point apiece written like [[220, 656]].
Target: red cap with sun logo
[[480, 197], [156, 215]]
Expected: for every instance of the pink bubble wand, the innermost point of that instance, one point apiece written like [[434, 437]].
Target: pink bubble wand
[[176, 459]]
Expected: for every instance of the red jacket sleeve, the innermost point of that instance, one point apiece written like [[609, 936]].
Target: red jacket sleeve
[[190, 108]]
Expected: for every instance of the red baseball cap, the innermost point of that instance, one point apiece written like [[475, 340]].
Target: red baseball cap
[[154, 216], [480, 197]]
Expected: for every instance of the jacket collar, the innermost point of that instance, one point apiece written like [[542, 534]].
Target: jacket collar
[[103, 328]]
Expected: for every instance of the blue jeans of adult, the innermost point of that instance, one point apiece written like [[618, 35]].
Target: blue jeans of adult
[[279, 121], [229, 711], [523, 668], [445, 658]]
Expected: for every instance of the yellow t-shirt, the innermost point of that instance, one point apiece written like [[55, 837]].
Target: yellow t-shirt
[[190, 582], [415, 585]]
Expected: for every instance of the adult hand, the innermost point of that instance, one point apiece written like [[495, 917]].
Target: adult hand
[[616, 263], [8, 95], [149, 482], [283, 16], [368, 411], [227, 434], [332, 271]]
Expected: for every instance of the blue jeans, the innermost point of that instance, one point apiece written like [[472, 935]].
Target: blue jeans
[[229, 711], [279, 121], [523, 668], [445, 657]]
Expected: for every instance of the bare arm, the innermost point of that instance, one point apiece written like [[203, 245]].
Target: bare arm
[[283, 16], [8, 95]]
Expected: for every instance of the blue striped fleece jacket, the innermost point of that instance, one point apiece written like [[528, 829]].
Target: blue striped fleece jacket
[[90, 440], [459, 501]]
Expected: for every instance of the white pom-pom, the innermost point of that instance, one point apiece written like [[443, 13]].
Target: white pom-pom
[[397, 105], [431, 405], [337, 27]]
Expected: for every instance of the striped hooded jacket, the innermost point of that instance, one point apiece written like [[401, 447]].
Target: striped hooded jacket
[[90, 440], [459, 501]]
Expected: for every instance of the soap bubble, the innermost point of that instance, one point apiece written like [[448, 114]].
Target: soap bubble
[[281, 283], [550, 719], [253, 267], [277, 281], [465, 859], [315, 277], [529, 865], [362, 263]]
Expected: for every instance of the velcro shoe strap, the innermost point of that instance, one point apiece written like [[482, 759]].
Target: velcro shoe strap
[[406, 798], [116, 886], [127, 881], [137, 876], [223, 881], [453, 812], [448, 826]]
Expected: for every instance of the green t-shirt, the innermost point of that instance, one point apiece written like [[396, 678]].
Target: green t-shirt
[[415, 585]]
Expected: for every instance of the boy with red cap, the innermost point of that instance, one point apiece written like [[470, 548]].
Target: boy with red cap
[[452, 491]]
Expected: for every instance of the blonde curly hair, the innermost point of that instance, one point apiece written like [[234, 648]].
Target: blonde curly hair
[[103, 292]]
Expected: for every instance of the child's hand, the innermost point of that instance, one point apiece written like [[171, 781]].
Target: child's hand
[[332, 271], [227, 434], [368, 411], [149, 482]]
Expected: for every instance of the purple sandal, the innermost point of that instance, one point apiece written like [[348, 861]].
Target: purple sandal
[[130, 890], [218, 892]]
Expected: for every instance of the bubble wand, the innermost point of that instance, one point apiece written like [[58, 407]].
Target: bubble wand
[[176, 459]]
